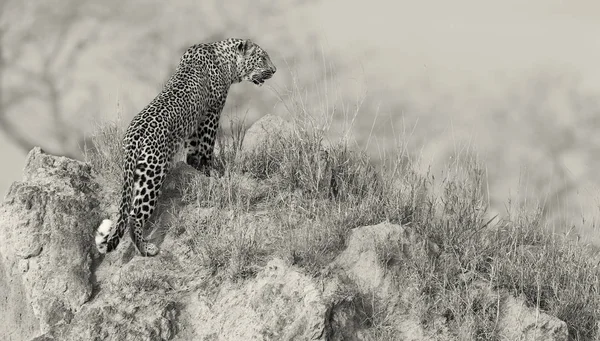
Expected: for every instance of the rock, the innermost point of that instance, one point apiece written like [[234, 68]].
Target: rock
[[262, 131], [368, 261], [519, 322], [370, 248], [44, 337], [149, 318], [18, 319], [281, 303], [46, 234]]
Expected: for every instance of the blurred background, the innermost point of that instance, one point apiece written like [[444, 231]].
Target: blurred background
[[514, 83]]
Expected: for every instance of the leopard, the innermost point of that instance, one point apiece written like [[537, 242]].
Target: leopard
[[182, 119]]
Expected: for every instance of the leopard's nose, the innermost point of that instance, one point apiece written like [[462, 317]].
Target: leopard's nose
[[274, 69]]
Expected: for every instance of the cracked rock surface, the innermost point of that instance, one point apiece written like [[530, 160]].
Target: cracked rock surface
[[45, 244]]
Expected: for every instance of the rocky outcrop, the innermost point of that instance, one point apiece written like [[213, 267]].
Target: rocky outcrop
[[281, 303], [519, 322], [45, 241], [55, 286], [263, 131]]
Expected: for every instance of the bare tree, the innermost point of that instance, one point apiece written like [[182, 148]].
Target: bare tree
[[40, 45]]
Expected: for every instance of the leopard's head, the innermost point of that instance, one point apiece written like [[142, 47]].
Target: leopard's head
[[253, 63]]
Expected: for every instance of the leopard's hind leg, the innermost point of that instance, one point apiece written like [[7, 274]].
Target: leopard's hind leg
[[149, 176]]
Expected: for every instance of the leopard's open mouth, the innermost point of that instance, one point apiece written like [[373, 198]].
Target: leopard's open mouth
[[262, 77]]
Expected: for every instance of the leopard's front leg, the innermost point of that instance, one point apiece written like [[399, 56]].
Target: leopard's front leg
[[200, 145]]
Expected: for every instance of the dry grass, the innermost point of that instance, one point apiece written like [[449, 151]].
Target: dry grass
[[106, 152], [297, 199]]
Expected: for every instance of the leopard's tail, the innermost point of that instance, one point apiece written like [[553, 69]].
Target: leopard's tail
[[107, 237]]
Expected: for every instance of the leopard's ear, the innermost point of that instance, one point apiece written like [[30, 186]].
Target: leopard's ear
[[244, 46]]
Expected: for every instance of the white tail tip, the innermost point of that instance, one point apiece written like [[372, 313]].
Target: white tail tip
[[102, 234]]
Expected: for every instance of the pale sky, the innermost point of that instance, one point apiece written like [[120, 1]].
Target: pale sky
[[388, 44]]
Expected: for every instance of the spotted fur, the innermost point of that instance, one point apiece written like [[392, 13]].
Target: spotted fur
[[185, 114]]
